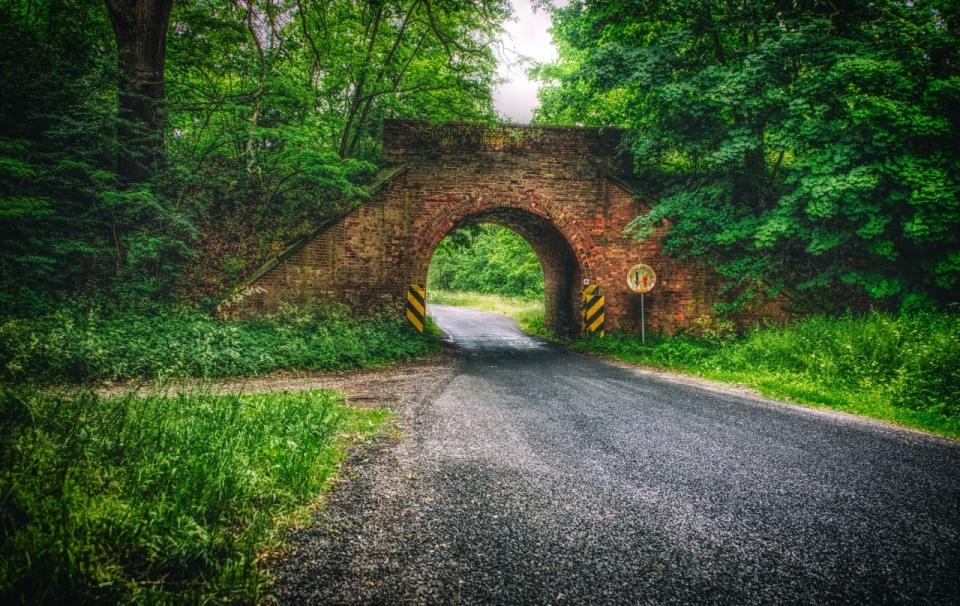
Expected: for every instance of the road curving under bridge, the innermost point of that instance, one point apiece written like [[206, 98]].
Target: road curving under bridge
[[534, 475]]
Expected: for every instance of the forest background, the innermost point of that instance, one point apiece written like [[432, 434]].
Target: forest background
[[154, 153], [266, 119], [806, 148]]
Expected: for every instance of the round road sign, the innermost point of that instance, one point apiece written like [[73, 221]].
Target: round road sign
[[641, 278]]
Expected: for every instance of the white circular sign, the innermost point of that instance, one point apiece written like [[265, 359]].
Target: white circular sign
[[641, 278]]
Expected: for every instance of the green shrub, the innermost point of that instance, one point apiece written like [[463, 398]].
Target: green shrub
[[146, 499], [660, 350], [929, 378], [73, 345], [486, 259]]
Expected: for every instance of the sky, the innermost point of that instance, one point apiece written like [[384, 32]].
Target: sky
[[525, 37]]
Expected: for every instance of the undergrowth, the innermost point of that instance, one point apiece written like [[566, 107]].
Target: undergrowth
[[80, 345], [528, 312], [159, 499], [901, 368]]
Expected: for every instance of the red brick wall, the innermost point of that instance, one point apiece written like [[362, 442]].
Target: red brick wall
[[545, 183]]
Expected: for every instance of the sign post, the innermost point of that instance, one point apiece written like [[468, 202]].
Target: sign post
[[641, 278]]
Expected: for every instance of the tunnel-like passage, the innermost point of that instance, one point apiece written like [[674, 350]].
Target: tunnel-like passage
[[561, 271]]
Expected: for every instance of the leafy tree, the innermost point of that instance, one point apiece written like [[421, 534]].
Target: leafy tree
[[276, 108], [57, 120], [423, 59], [140, 30], [258, 128], [487, 259], [804, 144]]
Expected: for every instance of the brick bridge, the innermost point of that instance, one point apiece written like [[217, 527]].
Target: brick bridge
[[561, 188]]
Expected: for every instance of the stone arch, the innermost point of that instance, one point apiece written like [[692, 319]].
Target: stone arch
[[564, 249], [567, 190]]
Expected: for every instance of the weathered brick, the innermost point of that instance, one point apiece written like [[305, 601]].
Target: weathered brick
[[545, 183]]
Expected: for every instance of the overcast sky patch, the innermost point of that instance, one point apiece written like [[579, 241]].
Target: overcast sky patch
[[526, 37]]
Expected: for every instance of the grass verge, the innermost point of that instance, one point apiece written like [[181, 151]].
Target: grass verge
[[159, 499], [527, 312], [74, 345], [903, 369]]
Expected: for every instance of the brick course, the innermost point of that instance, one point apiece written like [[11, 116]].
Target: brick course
[[545, 183]]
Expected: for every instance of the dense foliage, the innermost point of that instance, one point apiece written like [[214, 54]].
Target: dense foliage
[[486, 259], [808, 145], [270, 122], [908, 361], [153, 500], [77, 345]]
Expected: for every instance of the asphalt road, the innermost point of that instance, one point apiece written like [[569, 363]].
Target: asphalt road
[[538, 476]]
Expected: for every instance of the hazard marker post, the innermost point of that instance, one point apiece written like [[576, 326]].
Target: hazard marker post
[[593, 312], [417, 306], [641, 278]]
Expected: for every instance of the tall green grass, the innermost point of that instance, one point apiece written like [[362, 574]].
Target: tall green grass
[[74, 345], [901, 368], [528, 312], [158, 499]]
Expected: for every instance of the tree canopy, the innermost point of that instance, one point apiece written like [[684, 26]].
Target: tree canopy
[[268, 120], [801, 146]]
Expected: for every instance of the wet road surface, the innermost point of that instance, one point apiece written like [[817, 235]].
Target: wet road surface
[[537, 476]]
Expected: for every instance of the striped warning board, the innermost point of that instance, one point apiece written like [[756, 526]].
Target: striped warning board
[[593, 315], [416, 306], [589, 291]]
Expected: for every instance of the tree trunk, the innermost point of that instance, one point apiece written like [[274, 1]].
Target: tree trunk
[[140, 27]]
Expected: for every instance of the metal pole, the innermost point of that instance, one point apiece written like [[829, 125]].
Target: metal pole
[[643, 328]]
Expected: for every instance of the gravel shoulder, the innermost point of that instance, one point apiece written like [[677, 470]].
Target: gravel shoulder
[[385, 385], [372, 524]]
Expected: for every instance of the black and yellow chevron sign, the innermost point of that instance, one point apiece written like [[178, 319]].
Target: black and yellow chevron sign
[[416, 306], [593, 315], [589, 291]]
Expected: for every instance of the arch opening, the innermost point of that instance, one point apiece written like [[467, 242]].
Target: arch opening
[[561, 271]]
